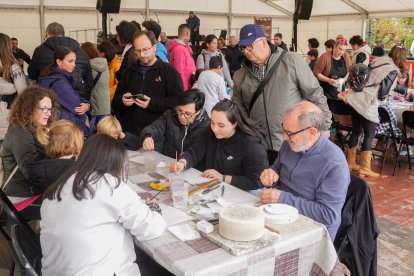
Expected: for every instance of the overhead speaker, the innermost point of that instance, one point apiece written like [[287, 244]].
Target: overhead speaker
[[223, 34], [108, 6], [303, 9]]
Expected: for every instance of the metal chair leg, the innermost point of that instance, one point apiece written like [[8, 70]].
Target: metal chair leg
[[396, 160]]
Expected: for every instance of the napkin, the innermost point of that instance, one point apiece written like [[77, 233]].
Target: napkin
[[184, 232]]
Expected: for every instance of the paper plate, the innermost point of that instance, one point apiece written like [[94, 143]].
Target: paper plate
[[279, 213]]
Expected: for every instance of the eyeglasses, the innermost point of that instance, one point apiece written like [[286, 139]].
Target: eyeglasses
[[143, 51], [186, 115], [46, 110], [291, 134], [248, 47]]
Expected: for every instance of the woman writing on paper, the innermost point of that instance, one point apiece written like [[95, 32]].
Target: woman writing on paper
[[232, 148]]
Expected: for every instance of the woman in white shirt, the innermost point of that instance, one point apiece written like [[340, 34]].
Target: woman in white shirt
[[89, 215]]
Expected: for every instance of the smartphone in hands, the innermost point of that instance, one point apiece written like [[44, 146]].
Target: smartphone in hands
[[140, 97]]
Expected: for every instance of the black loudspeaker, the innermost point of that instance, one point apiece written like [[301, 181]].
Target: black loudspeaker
[[108, 6], [223, 34], [303, 9]]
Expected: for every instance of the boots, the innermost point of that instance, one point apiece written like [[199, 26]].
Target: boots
[[350, 158], [365, 167]]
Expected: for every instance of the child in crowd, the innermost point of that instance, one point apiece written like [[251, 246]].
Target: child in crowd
[[212, 84], [111, 126], [401, 91], [312, 57]]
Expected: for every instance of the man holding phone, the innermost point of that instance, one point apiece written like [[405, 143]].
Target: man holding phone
[[148, 87]]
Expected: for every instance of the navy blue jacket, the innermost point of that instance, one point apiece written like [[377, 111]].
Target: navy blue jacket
[[61, 82]]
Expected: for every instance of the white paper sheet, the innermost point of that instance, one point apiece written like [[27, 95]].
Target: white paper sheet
[[140, 178], [138, 159], [172, 215], [184, 232], [193, 177]]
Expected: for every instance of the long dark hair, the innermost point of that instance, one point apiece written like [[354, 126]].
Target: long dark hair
[[101, 154], [398, 55], [60, 53], [234, 115]]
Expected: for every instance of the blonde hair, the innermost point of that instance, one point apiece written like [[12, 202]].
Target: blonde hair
[[109, 126], [62, 138]]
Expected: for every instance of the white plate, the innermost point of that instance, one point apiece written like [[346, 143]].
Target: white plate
[[279, 213]]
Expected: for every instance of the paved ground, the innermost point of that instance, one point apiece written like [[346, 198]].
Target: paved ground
[[393, 198]]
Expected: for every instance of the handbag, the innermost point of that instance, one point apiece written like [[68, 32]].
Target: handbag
[[4, 121], [271, 153]]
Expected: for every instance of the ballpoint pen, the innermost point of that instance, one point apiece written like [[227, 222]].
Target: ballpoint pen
[[222, 190], [155, 195]]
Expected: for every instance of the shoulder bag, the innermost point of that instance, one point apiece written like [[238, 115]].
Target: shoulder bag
[[271, 153]]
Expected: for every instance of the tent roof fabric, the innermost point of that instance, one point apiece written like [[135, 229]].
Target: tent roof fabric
[[348, 7]]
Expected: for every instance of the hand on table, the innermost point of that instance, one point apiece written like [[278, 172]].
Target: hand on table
[[211, 173], [269, 195], [268, 177], [148, 144], [177, 166]]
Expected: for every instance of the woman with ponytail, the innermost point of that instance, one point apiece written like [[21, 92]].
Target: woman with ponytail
[[58, 77], [232, 148]]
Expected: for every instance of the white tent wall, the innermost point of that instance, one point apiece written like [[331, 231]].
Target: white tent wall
[[21, 18]]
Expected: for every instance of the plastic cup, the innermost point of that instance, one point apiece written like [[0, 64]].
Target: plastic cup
[[149, 162], [179, 191]]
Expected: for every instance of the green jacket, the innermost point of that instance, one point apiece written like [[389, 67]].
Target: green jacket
[[20, 147], [292, 83]]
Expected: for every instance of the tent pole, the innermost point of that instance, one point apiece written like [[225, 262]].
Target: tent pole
[[42, 20], [229, 18]]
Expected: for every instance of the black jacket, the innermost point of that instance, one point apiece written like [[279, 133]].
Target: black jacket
[[356, 239], [172, 135], [43, 56], [44, 172], [20, 54], [235, 57], [242, 156], [124, 64], [162, 83]]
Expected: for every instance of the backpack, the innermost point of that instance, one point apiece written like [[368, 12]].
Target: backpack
[[359, 76]]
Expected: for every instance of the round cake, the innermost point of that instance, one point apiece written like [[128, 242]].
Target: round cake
[[241, 223]]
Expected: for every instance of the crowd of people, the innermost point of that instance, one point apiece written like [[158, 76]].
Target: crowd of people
[[65, 148]]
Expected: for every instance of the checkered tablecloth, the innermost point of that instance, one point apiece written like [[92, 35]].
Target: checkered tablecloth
[[304, 248]]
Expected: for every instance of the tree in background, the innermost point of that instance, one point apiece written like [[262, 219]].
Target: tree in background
[[392, 31]]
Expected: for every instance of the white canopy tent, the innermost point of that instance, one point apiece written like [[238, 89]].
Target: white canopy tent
[[26, 19]]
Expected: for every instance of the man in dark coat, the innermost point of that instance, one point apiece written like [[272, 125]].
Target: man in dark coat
[[43, 56], [18, 53], [235, 55], [194, 23], [157, 81]]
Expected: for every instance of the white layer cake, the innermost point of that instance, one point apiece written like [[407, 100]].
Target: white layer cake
[[241, 223]]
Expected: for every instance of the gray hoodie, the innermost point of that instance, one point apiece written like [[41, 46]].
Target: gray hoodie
[[365, 50], [203, 61], [100, 103]]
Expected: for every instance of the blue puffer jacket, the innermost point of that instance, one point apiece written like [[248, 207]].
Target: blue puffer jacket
[[61, 82]]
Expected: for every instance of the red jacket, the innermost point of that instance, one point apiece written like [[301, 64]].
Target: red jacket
[[181, 58]]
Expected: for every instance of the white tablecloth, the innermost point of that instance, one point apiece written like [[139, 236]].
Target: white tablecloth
[[304, 247]]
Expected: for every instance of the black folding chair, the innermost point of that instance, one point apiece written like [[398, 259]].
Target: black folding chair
[[338, 107], [26, 252], [14, 218], [385, 118], [408, 122]]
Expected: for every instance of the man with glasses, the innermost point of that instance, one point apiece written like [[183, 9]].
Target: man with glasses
[[310, 172], [291, 83], [147, 88]]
